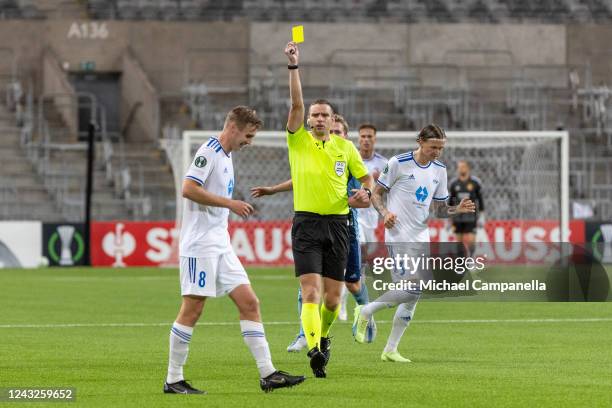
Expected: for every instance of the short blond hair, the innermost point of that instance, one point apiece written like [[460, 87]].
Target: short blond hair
[[242, 116], [340, 118]]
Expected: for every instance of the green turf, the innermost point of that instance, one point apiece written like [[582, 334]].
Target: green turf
[[480, 364]]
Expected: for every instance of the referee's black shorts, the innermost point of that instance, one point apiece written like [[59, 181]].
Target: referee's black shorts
[[320, 244]]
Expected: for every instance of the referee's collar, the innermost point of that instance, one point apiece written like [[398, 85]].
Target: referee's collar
[[321, 143]]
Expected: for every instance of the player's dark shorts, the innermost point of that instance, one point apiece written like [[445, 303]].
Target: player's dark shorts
[[353, 266], [464, 227], [320, 244]]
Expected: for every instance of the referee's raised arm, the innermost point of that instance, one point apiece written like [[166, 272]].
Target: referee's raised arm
[[296, 112]]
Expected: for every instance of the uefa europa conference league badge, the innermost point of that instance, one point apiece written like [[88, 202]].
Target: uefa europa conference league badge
[[64, 244]]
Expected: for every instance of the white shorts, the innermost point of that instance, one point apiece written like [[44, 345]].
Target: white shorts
[[419, 252], [212, 276]]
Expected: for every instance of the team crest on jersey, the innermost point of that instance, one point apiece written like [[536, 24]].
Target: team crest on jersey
[[421, 194], [470, 187], [340, 167], [200, 161]]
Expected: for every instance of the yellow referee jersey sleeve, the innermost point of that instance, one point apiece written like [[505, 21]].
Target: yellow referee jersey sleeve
[[320, 172]]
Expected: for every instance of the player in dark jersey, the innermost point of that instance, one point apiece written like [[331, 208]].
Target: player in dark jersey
[[466, 186]]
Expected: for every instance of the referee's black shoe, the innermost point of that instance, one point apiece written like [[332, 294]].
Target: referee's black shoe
[[181, 387], [326, 348], [317, 362], [280, 379]]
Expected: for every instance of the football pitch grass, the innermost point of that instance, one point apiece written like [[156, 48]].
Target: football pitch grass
[[105, 333]]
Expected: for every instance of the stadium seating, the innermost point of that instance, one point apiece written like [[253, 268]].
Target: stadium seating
[[501, 97], [382, 88], [410, 11], [517, 100], [447, 11]]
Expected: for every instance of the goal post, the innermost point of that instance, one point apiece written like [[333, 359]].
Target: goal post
[[525, 174]]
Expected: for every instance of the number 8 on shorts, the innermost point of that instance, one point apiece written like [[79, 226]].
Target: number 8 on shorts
[[211, 276]]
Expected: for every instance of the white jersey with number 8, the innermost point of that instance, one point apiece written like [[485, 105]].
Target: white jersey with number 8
[[208, 264]]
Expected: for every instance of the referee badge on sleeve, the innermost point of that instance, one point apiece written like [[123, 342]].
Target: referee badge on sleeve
[[340, 167]]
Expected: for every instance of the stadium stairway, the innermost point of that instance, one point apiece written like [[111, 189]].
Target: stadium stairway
[[22, 194], [151, 177], [64, 178]]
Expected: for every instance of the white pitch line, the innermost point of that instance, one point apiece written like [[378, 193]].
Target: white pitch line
[[147, 278], [110, 278], [468, 321], [570, 320]]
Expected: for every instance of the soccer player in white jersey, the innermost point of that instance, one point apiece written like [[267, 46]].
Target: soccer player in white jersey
[[368, 217], [208, 265], [414, 181]]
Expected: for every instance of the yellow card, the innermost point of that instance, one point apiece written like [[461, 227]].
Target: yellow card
[[298, 33]]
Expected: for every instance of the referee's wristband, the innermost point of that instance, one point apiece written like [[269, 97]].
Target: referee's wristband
[[367, 190], [292, 66]]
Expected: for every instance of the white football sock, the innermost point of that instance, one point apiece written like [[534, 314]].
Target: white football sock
[[388, 300], [343, 304], [180, 336], [255, 339], [401, 320], [368, 310]]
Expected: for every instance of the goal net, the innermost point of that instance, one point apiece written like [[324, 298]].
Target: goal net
[[524, 176]]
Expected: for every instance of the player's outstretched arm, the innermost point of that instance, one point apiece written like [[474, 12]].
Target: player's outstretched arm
[[379, 204], [263, 191], [361, 197], [296, 111], [441, 209], [377, 200], [194, 192], [367, 181]]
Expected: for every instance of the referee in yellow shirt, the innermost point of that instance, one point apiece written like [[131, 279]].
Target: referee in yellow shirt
[[320, 165]]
